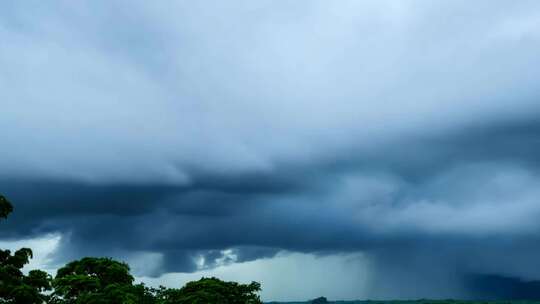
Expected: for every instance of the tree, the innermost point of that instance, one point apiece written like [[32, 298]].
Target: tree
[[211, 290], [94, 280], [15, 286], [145, 295], [5, 207]]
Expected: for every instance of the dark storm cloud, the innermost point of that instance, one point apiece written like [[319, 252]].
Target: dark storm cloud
[[199, 135], [500, 287]]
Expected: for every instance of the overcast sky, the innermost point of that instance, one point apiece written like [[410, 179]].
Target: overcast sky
[[353, 149]]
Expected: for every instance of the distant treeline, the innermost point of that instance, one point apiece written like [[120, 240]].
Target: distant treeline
[[422, 301], [96, 280]]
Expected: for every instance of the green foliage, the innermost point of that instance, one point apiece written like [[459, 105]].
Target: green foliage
[[212, 290], [15, 287], [5, 207], [24, 294], [94, 280], [146, 295]]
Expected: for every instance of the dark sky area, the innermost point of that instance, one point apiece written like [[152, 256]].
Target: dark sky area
[[189, 136]]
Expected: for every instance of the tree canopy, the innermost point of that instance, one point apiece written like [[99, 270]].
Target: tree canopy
[[15, 286], [213, 290], [5, 207], [92, 280]]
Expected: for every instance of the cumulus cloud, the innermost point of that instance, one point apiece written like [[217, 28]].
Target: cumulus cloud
[[199, 135]]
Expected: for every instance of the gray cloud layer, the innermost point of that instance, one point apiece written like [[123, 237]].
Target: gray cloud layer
[[407, 130]]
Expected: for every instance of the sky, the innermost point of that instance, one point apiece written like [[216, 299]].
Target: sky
[[348, 149]]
